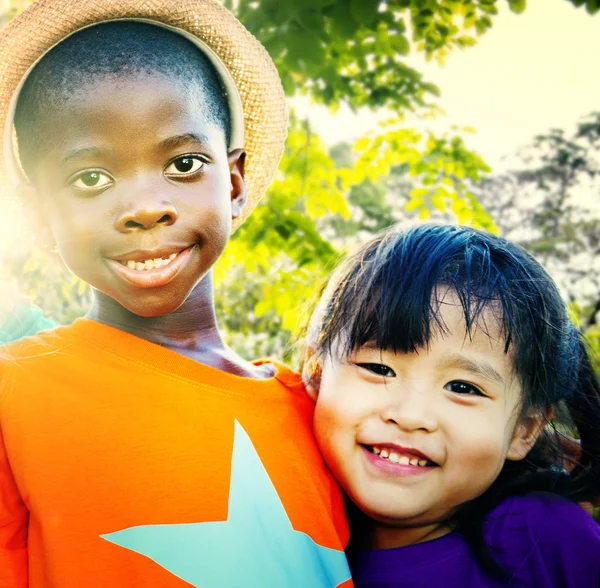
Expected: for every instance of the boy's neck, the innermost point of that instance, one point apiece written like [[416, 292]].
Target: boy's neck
[[191, 330], [386, 537]]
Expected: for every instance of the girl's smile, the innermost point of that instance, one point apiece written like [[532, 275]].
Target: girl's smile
[[396, 461], [412, 436]]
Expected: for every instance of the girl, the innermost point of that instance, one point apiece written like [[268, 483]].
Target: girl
[[445, 369]]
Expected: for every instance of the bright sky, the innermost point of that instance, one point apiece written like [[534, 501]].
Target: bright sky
[[529, 73]]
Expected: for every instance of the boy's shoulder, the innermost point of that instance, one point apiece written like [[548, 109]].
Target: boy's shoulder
[[544, 540], [286, 376]]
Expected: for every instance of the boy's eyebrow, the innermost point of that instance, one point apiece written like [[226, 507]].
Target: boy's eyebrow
[[82, 152], [479, 367], [178, 140]]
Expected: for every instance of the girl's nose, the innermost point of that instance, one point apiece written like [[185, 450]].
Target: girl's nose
[[411, 410]]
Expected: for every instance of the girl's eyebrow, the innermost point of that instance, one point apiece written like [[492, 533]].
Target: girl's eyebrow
[[479, 367]]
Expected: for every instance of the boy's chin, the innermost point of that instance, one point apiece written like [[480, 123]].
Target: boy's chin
[[143, 307]]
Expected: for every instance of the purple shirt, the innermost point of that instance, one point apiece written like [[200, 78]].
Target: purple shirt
[[541, 541]]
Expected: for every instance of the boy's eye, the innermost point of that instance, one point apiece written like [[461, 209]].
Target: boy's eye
[[91, 180], [378, 368], [184, 166], [463, 388]]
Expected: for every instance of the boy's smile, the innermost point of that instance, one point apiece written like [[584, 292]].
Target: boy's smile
[[138, 190]]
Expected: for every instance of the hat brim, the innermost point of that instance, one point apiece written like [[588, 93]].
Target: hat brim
[[256, 99]]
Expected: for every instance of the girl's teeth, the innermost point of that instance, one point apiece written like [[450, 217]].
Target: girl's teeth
[[131, 264], [139, 266], [399, 459]]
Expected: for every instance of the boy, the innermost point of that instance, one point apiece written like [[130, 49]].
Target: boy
[[136, 448]]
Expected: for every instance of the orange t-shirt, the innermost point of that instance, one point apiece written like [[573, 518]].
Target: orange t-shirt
[[124, 464]]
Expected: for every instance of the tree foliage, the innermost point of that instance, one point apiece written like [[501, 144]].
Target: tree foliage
[[551, 206], [325, 199]]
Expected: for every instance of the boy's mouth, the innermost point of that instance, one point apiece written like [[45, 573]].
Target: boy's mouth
[[148, 264], [147, 269], [400, 456]]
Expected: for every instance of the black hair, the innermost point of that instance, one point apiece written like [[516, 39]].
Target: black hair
[[388, 294], [116, 48]]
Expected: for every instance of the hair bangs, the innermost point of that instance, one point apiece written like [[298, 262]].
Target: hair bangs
[[391, 292]]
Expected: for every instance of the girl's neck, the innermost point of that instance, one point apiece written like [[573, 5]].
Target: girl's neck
[[386, 537]]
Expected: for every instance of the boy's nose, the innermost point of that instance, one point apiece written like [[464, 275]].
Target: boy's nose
[[144, 217]]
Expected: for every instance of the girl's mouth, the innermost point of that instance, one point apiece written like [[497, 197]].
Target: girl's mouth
[[399, 456]]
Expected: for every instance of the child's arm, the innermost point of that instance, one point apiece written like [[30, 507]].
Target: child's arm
[[14, 520]]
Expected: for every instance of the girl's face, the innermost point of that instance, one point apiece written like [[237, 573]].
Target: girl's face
[[412, 436]]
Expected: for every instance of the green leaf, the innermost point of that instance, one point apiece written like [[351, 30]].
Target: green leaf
[[592, 6], [517, 6], [307, 47], [414, 204], [342, 22], [311, 20], [362, 144], [438, 203], [364, 11], [400, 44]]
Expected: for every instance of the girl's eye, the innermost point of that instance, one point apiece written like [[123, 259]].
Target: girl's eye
[[463, 388], [378, 368], [91, 180], [184, 166]]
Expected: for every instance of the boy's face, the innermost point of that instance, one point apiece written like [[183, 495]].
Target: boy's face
[[412, 436], [138, 190]]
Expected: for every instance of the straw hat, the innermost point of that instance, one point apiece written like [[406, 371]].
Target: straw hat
[[256, 100]]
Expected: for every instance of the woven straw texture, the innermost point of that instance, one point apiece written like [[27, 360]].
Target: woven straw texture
[[47, 22]]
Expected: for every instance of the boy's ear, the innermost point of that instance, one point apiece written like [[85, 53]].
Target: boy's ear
[[34, 213], [311, 373], [239, 197], [526, 434]]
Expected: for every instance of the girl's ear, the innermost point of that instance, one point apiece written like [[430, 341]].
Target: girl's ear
[[311, 373], [526, 434]]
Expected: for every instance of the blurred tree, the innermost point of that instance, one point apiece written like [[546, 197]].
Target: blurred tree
[[551, 206], [353, 50]]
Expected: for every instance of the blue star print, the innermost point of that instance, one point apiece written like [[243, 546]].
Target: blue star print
[[255, 546]]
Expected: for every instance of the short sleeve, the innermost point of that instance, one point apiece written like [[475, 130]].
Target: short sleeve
[[545, 541], [14, 521]]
